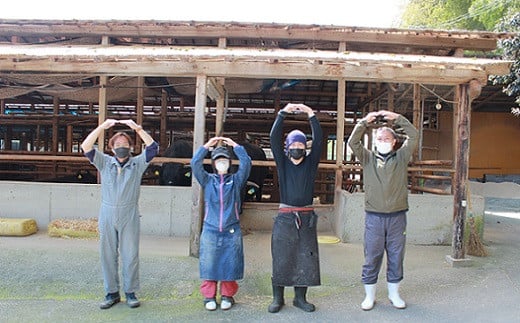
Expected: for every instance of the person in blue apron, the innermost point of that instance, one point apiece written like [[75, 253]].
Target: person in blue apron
[[119, 212], [221, 254], [385, 179], [294, 244]]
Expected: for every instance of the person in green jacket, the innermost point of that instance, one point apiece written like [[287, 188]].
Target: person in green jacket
[[385, 175]]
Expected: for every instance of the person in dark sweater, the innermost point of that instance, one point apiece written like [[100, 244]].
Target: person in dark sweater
[[294, 244]]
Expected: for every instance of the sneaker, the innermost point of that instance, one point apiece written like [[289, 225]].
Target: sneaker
[[110, 300], [210, 304], [131, 300], [227, 302]]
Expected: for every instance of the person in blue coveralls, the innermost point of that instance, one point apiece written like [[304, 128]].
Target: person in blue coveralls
[[221, 256], [119, 222], [294, 243], [385, 177]]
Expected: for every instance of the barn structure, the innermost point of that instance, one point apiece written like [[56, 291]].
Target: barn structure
[[191, 80]]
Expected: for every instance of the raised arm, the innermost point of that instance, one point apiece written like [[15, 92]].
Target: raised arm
[[89, 142], [147, 139]]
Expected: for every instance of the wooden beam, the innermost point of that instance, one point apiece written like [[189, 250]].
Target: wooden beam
[[247, 62], [190, 29]]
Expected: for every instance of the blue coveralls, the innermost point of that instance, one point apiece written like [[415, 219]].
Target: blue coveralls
[[119, 216]]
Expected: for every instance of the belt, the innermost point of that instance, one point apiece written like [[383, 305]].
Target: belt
[[296, 212], [295, 209]]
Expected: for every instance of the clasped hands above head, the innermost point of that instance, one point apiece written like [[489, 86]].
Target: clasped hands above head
[[381, 114], [216, 140], [129, 122]]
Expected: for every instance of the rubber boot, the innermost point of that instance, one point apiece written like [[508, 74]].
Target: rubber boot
[[300, 300], [370, 297], [278, 301], [393, 296]]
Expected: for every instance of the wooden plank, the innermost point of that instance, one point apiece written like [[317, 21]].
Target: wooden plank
[[437, 177], [190, 29], [432, 190]]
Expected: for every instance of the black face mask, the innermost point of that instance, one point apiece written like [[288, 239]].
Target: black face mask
[[297, 153], [122, 152]]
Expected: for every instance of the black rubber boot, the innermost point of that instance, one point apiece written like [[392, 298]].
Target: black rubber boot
[[278, 301], [300, 300]]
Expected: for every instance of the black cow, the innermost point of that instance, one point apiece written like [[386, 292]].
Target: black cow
[[255, 182], [177, 174]]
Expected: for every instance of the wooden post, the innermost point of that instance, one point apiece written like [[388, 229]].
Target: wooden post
[[197, 207], [55, 114], [103, 80], [163, 139], [465, 94], [219, 120], [340, 135], [70, 138], [103, 102], [417, 116], [461, 171], [390, 98], [140, 111]]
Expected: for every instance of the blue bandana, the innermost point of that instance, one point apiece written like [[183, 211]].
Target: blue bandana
[[295, 136]]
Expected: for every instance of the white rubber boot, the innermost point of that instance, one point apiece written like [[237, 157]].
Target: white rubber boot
[[393, 296], [370, 298]]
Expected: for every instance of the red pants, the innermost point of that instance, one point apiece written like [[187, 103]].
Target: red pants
[[208, 288]]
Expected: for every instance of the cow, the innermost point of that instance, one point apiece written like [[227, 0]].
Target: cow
[[177, 174]]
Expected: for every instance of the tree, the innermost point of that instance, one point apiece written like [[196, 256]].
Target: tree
[[458, 14], [511, 51]]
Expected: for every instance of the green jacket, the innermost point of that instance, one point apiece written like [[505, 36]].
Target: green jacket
[[385, 179]]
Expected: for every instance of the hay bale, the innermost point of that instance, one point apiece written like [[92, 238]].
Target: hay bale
[[74, 228], [17, 227]]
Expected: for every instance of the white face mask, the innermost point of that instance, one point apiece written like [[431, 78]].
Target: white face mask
[[384, 147], [222, 165]]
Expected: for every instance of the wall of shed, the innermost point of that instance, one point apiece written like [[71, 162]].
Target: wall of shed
[[494, 145], [166, 211], [429, 218]]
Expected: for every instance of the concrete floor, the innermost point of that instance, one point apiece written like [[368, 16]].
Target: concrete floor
[[45, 279]]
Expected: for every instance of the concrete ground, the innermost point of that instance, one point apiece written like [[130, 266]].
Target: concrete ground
[[45, 279]]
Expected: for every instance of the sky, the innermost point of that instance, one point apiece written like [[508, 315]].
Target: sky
[[359, 13]]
